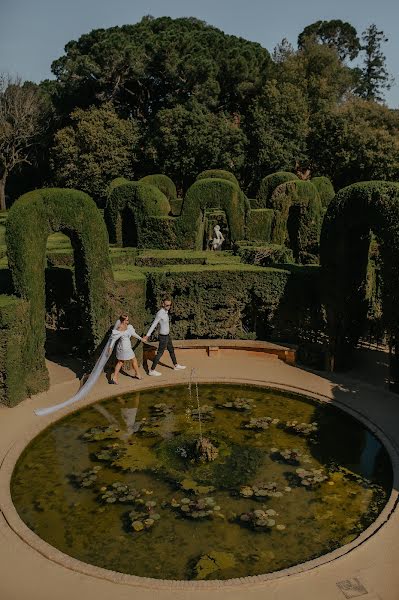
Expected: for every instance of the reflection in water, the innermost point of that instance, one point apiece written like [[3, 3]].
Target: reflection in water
[[120, 484]]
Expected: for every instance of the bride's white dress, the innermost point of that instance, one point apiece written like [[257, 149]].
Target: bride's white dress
[[124, 348]]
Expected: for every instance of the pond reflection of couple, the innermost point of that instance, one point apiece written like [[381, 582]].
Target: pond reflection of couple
[[123, 331], [121, 334]]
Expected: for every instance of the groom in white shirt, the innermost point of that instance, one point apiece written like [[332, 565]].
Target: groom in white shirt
[[165, 341]]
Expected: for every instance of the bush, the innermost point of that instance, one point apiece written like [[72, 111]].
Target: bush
[[32, 218], [265, 256], [268, 185], [14, 333], [298, 217], [211, 193], [218, 174], [129, 210], [163, 183], [325, 188], [344, 254], [260, 222]]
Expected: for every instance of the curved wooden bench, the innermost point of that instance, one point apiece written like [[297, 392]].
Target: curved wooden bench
[[284, 353]]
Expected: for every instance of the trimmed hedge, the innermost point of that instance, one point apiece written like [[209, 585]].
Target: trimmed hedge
[[345, 242], [14, 334], [163, 183], [298, 217], [238, 302], [218, 174], [32, 218], [129, 211], [260, 223], [211, 193], [115, 183], [325, 188], [265, 256], [268, 185]]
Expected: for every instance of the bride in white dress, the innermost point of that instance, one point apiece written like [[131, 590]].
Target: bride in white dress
[[121, 333], [124, 351]]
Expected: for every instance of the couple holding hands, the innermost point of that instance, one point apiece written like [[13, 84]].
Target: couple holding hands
[[122, 333]]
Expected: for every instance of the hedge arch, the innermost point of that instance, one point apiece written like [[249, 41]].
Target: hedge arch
[[355, 212], [211, 193], [163, 183], [134, 205], [297, 218], [268, 185], [32, 218], [218, 174]]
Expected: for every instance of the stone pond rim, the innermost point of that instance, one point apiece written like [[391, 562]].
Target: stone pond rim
[[50, 552]]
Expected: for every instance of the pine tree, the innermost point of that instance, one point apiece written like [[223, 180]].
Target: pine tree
[[373, 76]]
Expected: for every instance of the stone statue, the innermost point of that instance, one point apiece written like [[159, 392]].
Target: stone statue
[[218, 238]]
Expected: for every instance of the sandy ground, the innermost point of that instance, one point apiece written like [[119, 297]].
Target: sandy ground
[[368, 571]]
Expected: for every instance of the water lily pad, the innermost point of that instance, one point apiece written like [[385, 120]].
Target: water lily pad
[[137, 525], [192, 486], [212, 562]]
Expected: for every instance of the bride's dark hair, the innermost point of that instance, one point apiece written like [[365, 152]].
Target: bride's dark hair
[[123, 317]]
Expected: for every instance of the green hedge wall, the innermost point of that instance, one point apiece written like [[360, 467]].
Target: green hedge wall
[[128, 209], [163, 183], [325, 188], [14, 333], [260, 223], [32, 218], [211, 193], [298, 218], [218, 174], [268, 185], [344, 254], [239, 302]]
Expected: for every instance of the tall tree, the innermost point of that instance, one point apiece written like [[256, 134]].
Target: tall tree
[[337, 34], [185, 141], [373, 75], [23, 119], [277, 128], [157, 64], [97, 147], [356, 140]]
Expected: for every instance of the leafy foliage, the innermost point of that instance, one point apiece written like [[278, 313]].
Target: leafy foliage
[[97, 147], [373, 75], [357, 140], [337, 34]]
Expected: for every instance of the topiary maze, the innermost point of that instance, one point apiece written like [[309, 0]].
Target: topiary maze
[[261, 288]]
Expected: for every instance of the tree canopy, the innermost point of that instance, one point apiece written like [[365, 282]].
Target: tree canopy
[[179, 96]]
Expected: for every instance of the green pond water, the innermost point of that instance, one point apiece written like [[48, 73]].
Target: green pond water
[[122, 485]]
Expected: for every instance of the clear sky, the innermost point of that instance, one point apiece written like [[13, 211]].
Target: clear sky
[[33, 33]]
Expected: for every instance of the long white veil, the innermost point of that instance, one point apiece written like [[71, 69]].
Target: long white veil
[[90, 381]]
